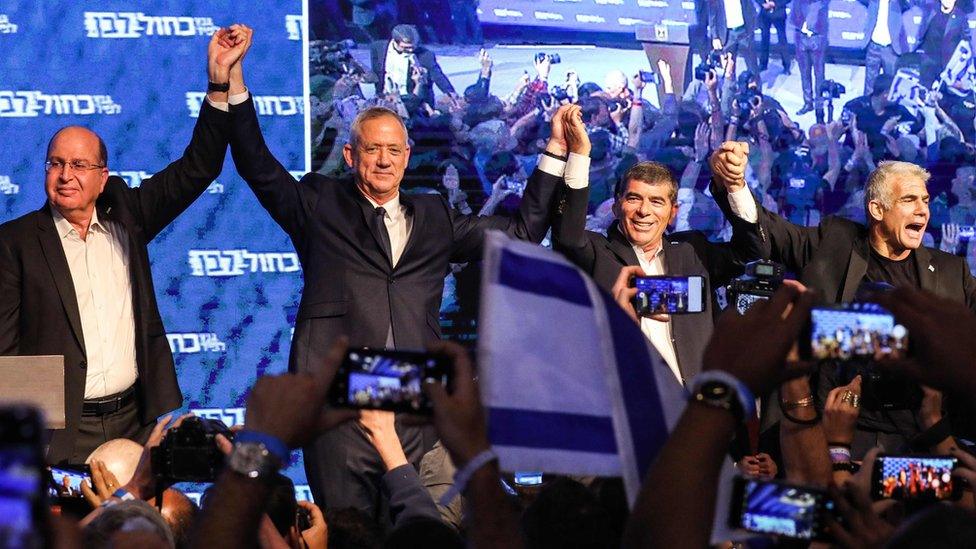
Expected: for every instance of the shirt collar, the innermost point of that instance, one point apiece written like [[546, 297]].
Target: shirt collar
[[65, 227], [392, 206], [640, 251]]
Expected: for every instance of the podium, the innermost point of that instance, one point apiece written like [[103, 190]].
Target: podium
[[670, 44], [37, 381]]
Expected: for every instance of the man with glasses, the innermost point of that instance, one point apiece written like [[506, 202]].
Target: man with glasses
[[75, 277], [402, 64]]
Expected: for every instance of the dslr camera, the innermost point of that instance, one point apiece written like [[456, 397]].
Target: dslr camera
[[760, 280], [189, 452], [552, 57], [830, 89], [712, 62]]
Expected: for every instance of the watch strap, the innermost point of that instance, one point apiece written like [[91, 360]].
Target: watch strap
[[218, 87]]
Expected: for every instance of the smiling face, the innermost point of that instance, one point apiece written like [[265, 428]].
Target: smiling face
[[899, 229], [644, 211], [70, 190], [378, 156]]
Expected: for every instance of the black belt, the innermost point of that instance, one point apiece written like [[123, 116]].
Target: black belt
[[109, 404]]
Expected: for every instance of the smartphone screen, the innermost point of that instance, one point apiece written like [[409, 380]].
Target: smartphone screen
[[66, 480], [22, 504], [771, 507], [914, 478], [387, 380], [528, 478], [850, 331], [669, 295]]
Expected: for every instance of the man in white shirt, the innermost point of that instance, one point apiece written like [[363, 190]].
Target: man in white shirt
[[395, 62], [75, 276], [884, 37], [645, 205], [731, 27]]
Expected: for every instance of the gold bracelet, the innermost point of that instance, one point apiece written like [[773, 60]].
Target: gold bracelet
[[802, 403]]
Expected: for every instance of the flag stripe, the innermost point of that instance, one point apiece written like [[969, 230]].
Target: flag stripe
[[551, 430], [648, 428], [543, 278]]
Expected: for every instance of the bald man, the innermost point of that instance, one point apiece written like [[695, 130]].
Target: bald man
[[120, 456], [75, 276]]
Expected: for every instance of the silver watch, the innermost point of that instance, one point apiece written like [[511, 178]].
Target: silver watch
[[253, 460]]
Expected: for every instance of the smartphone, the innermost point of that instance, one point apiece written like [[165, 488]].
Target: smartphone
[[388, 380], [669, 295], [853, 331], [774, 507], [23, 505], [524, 478], [915, 478], [65, 480]]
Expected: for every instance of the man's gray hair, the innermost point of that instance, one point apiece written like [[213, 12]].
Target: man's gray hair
[[878, 186], [406, 33], [126, 516], [371, 114]]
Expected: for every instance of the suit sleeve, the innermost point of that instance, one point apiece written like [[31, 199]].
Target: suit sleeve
[[288, 201], [408, 498], [569, 228], [437, 75], [375, 64], [531, 222], [10, 282], [165, 195]]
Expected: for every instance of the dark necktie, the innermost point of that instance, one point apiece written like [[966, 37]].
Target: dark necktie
[[379, 227]]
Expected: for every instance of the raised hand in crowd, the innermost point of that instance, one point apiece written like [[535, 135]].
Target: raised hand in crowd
[[864, 525], [103, 483], [729, 162], [950, 238], [702, 135], [667, 80], [841, 410], [542, 67], [486, 63], [624, 292]]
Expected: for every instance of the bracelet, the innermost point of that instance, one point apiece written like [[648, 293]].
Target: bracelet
[[272, 443], [791, 419], [839, 455], [463, 475], [802, 403]]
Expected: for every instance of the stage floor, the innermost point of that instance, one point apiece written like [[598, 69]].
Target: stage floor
[[460, 64]]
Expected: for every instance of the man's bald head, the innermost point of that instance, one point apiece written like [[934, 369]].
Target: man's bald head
[[179, 512], [120, 456], [82, 133]]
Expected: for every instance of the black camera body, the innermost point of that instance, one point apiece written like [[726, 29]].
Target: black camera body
[[189, 452], [552, 57], [830, 89], [887, 391], [759, 281], [711, 62]]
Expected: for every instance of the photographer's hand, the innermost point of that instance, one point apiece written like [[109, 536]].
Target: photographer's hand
[[841, 411], [103, 484], [624, 292], [142, 485], [863, 526], [317, 534]]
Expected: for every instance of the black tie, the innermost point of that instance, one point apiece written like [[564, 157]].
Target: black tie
[[379, 227]]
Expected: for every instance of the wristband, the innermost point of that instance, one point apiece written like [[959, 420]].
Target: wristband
[[217, 87], [123, 494], [273, 444], [932, 436], [839, 454], [802, 403], [798, 421], [463, 475], [742, 392]]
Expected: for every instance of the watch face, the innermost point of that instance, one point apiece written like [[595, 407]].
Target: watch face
[[250, 459], [715, 390]]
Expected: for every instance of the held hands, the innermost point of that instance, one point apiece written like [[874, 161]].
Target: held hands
[[234, 42], [729, 162], [577, 140]]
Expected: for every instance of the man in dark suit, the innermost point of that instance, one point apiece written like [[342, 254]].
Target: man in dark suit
[[374, 260], [809, 18], [731, 26], [645, 204], [836, 257], [944, 24], [396, 60], [75, 276], [773, 13], [884, 37]]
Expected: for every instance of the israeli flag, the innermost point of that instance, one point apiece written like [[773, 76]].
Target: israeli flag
[[570, 383]]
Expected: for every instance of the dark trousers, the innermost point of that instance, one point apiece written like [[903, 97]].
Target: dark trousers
[[878, 57], [766, 22], [467, 27], [810, 58], [741, 41], [94, 430]]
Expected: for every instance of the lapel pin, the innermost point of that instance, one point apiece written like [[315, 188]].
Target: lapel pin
[[931, 268]]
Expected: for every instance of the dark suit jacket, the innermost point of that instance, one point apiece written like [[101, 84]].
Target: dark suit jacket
[[896, 8], [686, 254], [778, 11], [811, 12], [350, 287], [39, 312], [957, 29], [426, 59], [714, 14]]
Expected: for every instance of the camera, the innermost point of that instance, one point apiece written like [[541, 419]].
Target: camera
[[744, 101], [830, 89], [759, 281], [559, 93], [712, 62], [552, 57], [648, 77], [189, 452]]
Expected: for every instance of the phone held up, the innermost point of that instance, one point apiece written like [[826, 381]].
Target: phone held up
[[388, 380]]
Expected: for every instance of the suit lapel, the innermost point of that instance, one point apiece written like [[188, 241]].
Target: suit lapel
[[927, 278], [56, 261], [620, 247], [857, 266], [374, 252], [415, 215]]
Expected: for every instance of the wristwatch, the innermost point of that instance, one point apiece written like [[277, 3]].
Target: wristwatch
[[253, 460], [218, 86], [719, 394]]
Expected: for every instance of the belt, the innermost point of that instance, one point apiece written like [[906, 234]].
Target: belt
[[109, 404]]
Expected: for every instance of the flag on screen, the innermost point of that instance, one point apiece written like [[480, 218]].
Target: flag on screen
[[570, 383]]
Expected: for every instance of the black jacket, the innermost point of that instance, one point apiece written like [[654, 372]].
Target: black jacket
[[425, 58], [39, 312]]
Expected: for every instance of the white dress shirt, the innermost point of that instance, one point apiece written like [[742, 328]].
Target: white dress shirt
[[397, 70], [881, 34], [99, 267], [658, 332], [398, 225], [733, 14]]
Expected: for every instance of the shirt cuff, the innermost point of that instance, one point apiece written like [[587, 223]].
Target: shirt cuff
[[577, 174], [744, 205], [219, 105], [235, 99], [550, 165]]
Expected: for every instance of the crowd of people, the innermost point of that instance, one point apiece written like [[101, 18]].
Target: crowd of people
[[723, 165]]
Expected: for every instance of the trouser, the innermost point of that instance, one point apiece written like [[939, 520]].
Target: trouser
[[878, 57], [766, 21], [94, 430], [467, 28], [740, 40], [810, 58]]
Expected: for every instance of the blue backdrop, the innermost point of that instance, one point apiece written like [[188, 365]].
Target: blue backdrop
[[227, 277]]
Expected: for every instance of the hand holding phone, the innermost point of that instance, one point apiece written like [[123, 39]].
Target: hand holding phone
[[780, 508], [387, 380], [669, 295], [915, 478]]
